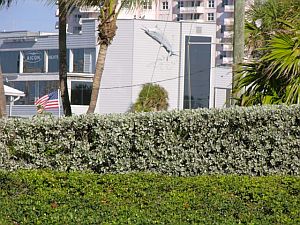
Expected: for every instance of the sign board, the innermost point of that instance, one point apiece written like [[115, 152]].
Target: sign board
[[33, 57]]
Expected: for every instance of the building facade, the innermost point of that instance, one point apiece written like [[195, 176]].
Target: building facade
[[217, 12], [176, 55], [30, 63]]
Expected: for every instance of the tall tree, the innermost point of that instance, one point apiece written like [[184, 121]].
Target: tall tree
[[238, 41], [63, 78], [2, 92], [106, 32]]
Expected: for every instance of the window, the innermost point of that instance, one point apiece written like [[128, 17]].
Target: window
[[210, 16], [78, 60], [77, 18], [195, 3], [197, 72], [165, 5], [196, 16], [211, 4], [77, 29], [147, 5], [46, 87], [81, 92], [180, 4], [10, 62], [33, 62], [28, 87], [53, 61], [179, 17], [224, 2], [33, 90]]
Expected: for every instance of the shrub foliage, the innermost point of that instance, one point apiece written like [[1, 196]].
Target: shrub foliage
[[152, 98], [253, 141], [41, 197]]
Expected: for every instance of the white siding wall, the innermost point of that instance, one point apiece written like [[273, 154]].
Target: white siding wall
[[115, 93], [152, 62], [134, 59], [223, 81]]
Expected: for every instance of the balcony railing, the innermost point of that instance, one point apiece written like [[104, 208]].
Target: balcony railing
[[227, 47], [228, 21], [227, 60], [229, 8], [88, 9], [198, 9], [228, 34]]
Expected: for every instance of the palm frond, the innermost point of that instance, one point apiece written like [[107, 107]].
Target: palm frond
[[6, 3]]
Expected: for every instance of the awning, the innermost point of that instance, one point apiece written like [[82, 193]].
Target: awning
[[9, 91]]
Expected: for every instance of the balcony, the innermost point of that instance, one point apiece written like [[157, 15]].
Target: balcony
[[227, 60], [198, 9], [227, 47], [228, 34], [228, 21], [88, 9], [229, 8]]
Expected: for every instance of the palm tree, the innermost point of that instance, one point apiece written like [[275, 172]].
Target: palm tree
[[5, 3], [273, 74], [275, 77], [107, 27], [107, 30], [264, 18], [63, 84], [152, 97]]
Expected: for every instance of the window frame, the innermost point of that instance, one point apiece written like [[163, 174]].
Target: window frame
[[165, 5], [43, 60], [71, 94], [180, 4], [211, 4], [210, 17], [15, 69], [147, 5], [77, 69], [179, 17]]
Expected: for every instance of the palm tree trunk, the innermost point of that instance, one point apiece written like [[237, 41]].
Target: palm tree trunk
[[2, 96], [63, 59], [97, 77]]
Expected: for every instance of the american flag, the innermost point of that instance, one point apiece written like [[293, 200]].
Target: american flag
[[49, 101]]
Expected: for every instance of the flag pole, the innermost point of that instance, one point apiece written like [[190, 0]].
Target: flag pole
[[58, 98]]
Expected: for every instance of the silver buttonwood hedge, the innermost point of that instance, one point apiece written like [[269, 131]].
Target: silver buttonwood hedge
[[252, 141]]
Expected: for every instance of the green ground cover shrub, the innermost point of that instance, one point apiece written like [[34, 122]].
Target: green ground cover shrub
[[251, 141], [44, 197]]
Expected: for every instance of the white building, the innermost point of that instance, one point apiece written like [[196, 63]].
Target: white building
[[179, 56]]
